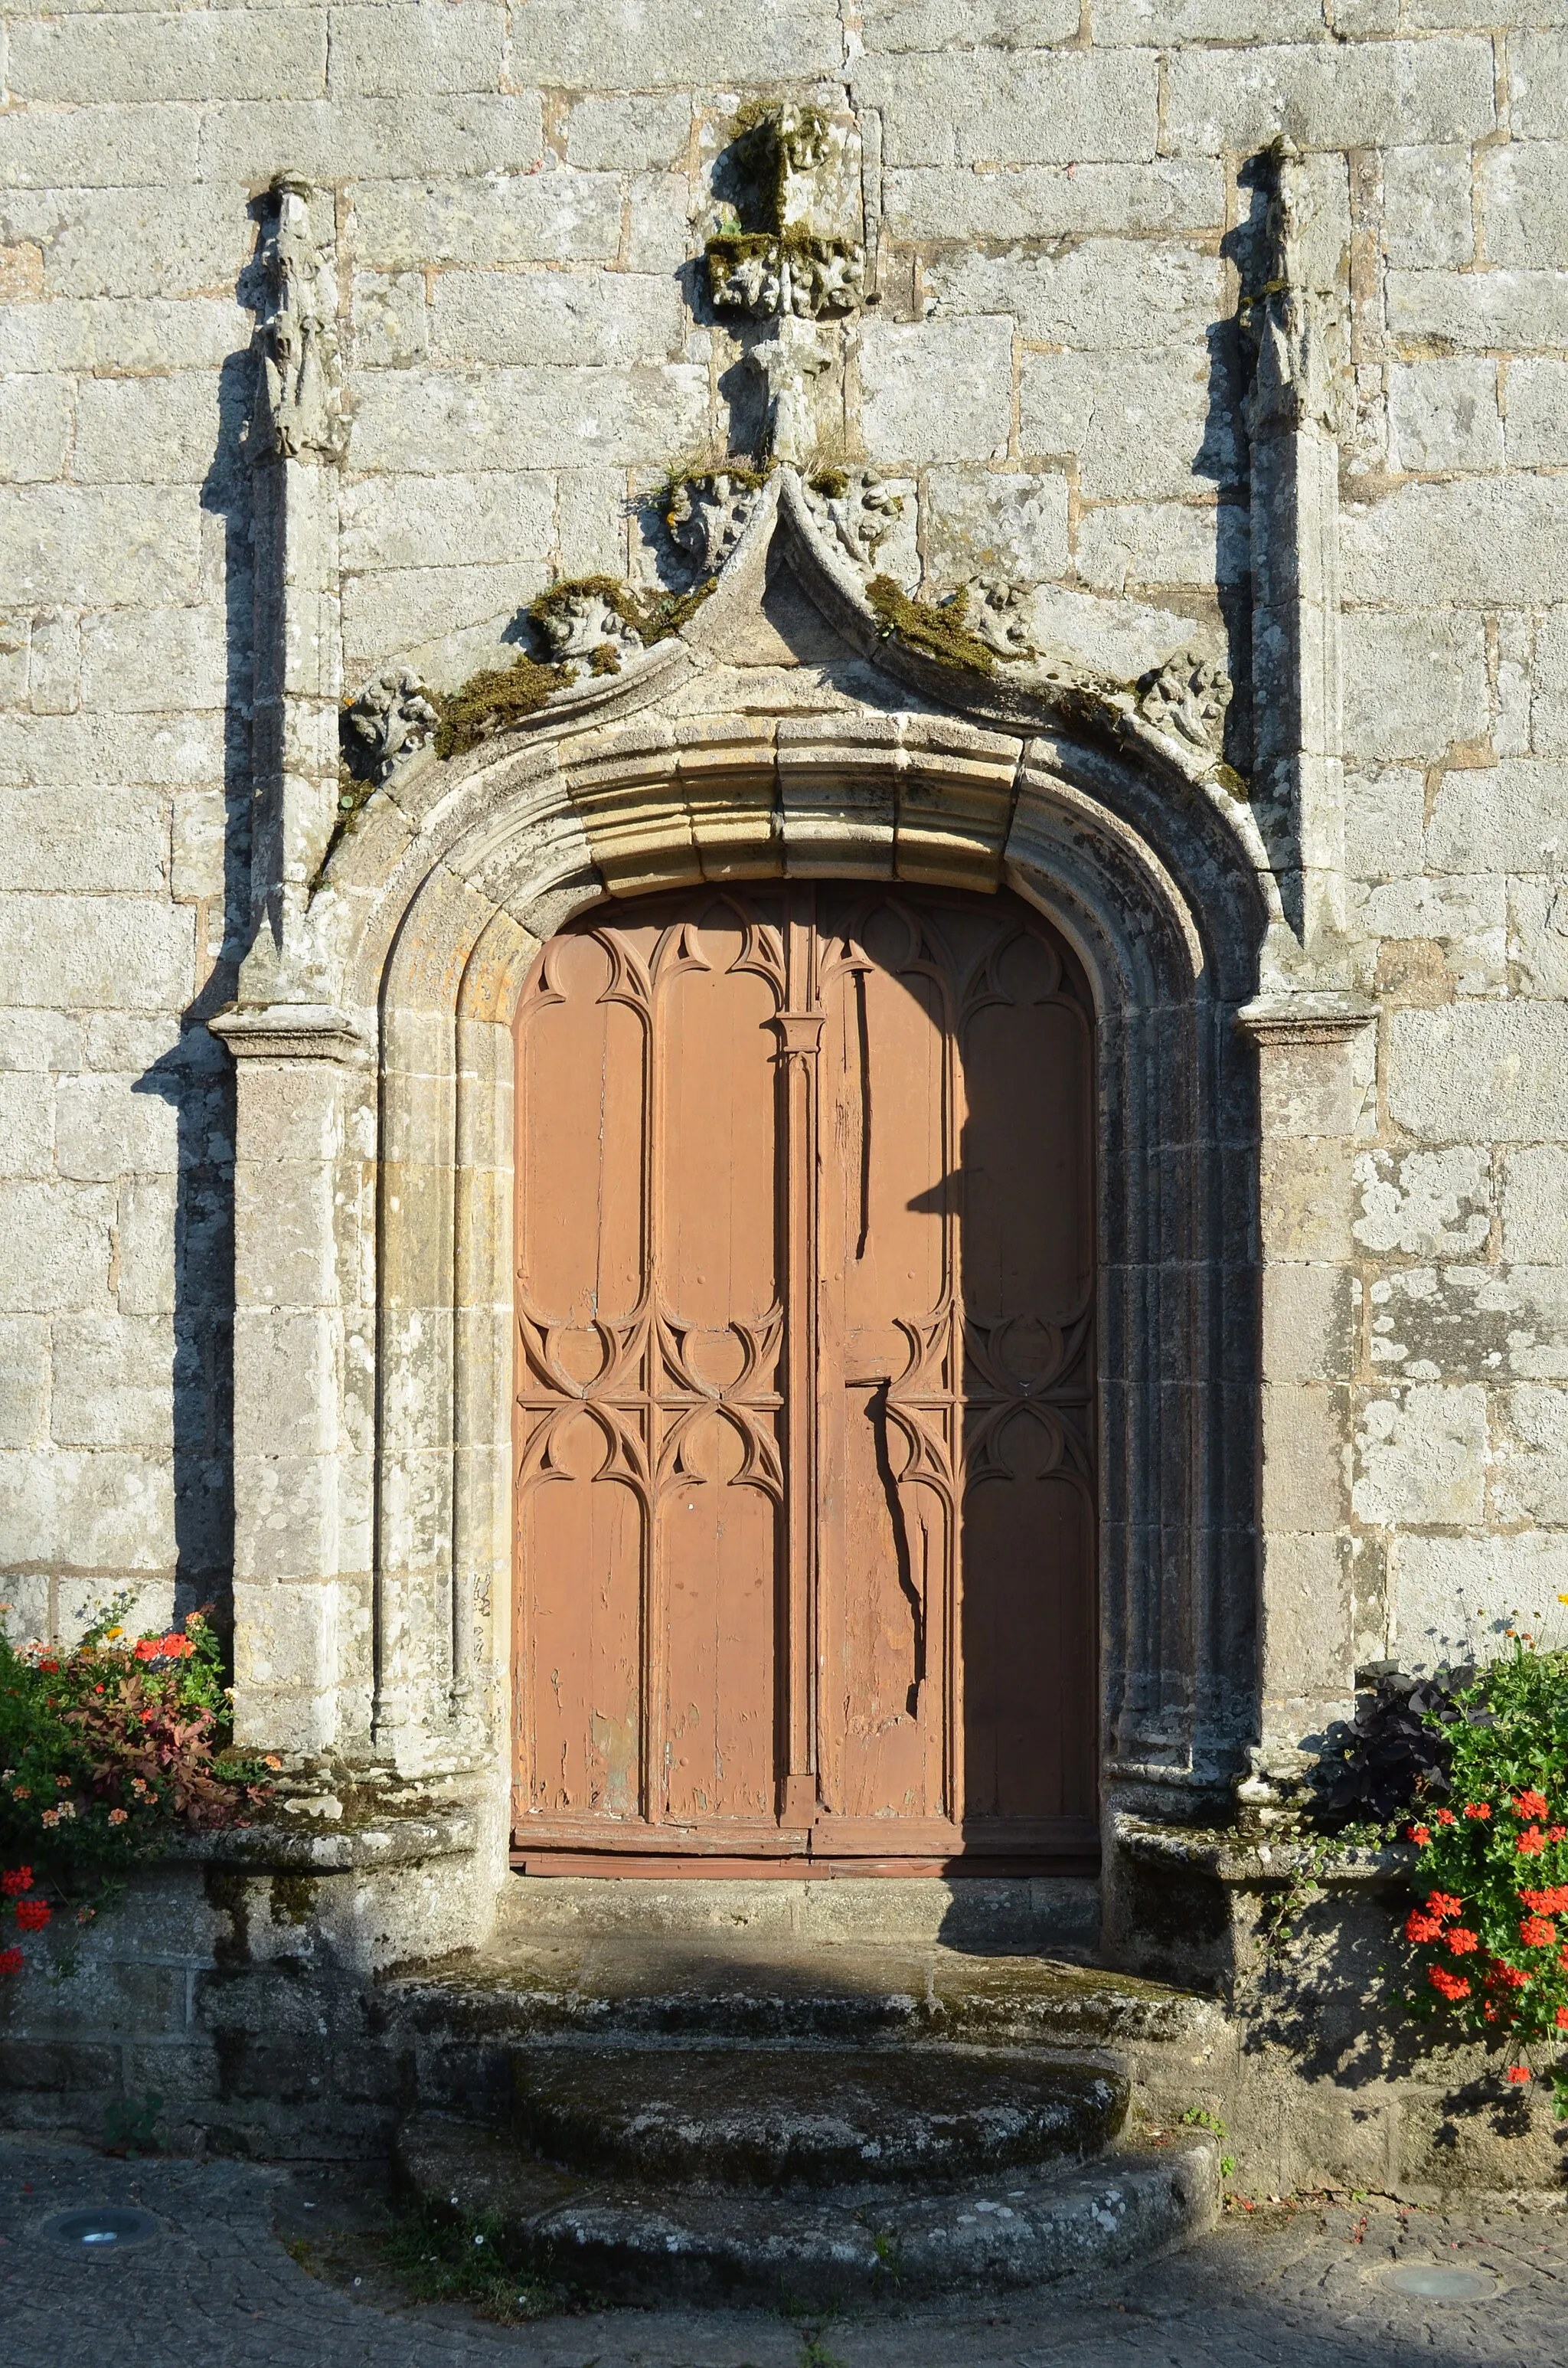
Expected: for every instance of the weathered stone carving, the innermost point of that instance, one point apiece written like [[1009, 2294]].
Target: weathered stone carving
[[1189, 695], [785, 268], [784, 263], [390, 718], [301, 373], [706, 515], [787, 360], [1294, 330], [856, 509], [995, 615], [580, 623]]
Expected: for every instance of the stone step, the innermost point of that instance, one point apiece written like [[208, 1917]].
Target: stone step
[[644, 2243], [721, 2117], [661, 1989]]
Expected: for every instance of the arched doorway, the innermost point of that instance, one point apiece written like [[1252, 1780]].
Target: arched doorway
[[804, 1392]]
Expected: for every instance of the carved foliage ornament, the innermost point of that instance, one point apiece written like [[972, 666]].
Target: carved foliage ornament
[[706, 515], [1189, 696], [301, 366], [389, 719]]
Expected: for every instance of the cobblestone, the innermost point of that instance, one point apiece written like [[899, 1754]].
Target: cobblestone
[[1311, 2285]]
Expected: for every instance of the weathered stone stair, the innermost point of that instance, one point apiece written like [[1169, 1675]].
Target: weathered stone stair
[[706, 2109]]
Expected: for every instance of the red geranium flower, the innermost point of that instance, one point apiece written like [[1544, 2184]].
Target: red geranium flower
[[16, 1879], [1446, 1817], [32, 1915], [1461, 1941], [11, 1961], [1418, 1927], [1443, 1903], [1530, 1803], [1453, 1986], [1518, 2074], [1538, 1931], [1531, 1842], [1478, 1808], [1419, 1833]]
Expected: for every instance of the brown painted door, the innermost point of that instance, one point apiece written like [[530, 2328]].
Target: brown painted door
[[804, 1380]]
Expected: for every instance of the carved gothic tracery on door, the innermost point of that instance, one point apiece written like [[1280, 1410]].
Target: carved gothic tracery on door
[[804, 1395]]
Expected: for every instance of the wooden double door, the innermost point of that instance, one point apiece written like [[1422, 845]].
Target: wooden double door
[[804, 1435]]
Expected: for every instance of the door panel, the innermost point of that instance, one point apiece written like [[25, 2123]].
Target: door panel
[[804, 1435]]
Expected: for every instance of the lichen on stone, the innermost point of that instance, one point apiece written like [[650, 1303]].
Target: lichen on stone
[[938, 632]]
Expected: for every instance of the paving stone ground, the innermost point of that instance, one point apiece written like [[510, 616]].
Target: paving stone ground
[[1310, 2288]]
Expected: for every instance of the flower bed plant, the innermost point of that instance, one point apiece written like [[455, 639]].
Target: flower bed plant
[[1491, 1935], [106, 1749]]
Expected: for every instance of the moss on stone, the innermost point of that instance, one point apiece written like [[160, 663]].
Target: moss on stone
[[494, 701], [936, 632], [831, 484], [667, 612]]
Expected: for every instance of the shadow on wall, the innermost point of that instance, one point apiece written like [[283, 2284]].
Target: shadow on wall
[[196, 1076]]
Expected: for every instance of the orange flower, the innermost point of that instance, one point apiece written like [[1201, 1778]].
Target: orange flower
[[117, 1816], [1538, 1931], [1530, 1803], [1531, 1842], [1446, 1817], [1517, 2075], [1419, 1833], [1562, 2017], [1478, 1808]]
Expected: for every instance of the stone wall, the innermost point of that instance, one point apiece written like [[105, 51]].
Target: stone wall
[[1062, 203]]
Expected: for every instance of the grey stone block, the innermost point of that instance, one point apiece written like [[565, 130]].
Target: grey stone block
[[1082, 106], [390, 51], [431, 423], [981, 519], [35, 427], [643, 128], [1521, 309], [95, 546], [1149, 430], [1428, 207], [1477, 1068], [1536, 427], [556, 316], [632, 44], [125, 242], [1328, 96], [477, 517], [146, 431], [1537, 79], [95, 953], [1443, 415], [1042, 201], [1414, 683], [156, 57], [567, 217], [1104, 294], [1479, 541], [56, 841]]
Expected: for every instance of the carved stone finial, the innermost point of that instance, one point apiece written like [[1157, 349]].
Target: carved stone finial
[[706, 515], [1292, 327], [302, 376], [785, 261], [390, 718], [1189, 695]]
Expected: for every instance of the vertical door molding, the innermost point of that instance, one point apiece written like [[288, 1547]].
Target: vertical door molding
[[304, 1423]]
